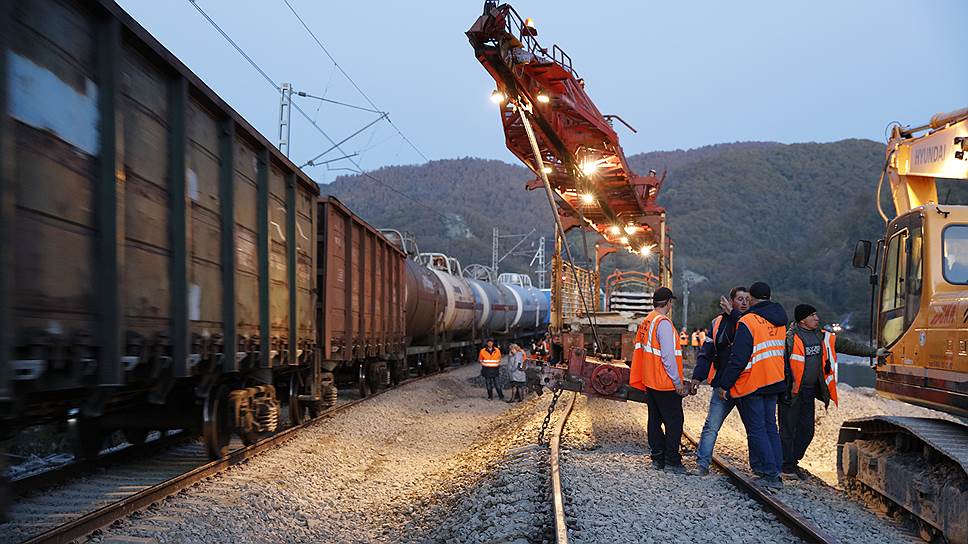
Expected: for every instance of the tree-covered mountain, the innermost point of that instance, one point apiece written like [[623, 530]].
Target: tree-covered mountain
[[785, 214]]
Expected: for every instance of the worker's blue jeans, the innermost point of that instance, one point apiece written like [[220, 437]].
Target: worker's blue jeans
[[759, 417], [719, 409]]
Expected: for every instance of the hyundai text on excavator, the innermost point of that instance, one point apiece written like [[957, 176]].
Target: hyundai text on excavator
[[920, 313]]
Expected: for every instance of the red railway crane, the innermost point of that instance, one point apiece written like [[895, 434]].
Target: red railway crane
[[554, 127]]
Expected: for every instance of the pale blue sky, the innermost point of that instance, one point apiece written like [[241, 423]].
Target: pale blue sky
[[685, 74]]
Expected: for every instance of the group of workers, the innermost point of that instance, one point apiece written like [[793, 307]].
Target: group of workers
[[692, 342], [490, 359], [755, 363]]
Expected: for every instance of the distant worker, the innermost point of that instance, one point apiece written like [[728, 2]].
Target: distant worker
[[657, 370], [712, 358], [694, 344], [754, 377], [702, 337], [811, 355], [518, 377], [490, 358], [683, 337]]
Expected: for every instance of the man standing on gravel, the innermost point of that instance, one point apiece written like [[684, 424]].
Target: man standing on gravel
[[754, 376], [657, 370], [712, 357], [490, 358], [811, 358]]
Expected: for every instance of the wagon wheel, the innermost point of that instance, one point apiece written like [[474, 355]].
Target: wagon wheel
[[217, 423], [365, 389], [301, 411]]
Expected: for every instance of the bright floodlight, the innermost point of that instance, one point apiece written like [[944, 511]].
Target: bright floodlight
[[624, 240], [630, 229], [543, 98], [589, 168], [546, 169], [588, 198], [615, 229], [497, 96], [645, 250]]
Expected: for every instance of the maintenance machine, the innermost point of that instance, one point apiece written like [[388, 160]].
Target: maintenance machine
[[919, 279]]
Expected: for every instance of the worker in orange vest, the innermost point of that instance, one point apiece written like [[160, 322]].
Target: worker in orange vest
[[657, 370], [811, 354], [490, 359], [713, 356], [754, 376]]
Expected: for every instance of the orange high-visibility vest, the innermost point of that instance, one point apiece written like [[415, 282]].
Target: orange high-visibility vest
[[765, 366], [647, 370], [695, 339], [714, 339], [828, 355], [491, 359]]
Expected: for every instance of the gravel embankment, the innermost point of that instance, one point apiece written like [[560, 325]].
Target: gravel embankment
[[432, 461], [818, 498], [612, 494]]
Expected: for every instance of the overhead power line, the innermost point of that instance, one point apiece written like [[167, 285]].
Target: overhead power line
[[275, 86], [347, 76]]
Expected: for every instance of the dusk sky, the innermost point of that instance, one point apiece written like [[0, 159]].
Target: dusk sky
[[685, 74]]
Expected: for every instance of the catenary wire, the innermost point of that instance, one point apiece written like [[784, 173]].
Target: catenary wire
[[357, 87], [359, 169]]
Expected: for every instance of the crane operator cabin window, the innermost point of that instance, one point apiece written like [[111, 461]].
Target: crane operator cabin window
[[955, 254]]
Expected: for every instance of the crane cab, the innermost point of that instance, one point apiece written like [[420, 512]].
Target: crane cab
[[922, 307]]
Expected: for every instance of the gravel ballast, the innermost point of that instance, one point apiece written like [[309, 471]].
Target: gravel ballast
[[818, 498], [432, 461], [612, 494]]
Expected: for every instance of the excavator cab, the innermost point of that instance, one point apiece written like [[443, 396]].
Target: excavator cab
[[920, 306]]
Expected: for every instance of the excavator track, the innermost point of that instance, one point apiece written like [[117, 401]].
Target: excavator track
[[916, 466]]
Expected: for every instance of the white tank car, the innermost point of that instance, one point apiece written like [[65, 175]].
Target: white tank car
[[494, 308], [531, 307], [459, 310]]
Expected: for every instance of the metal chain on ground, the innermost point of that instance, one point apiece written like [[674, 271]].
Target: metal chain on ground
[[547, 418]]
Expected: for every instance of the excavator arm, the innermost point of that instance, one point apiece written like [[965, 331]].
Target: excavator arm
[[915, 161]]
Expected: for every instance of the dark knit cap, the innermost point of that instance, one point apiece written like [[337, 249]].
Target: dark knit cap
[[803, 311], [760, 291], [662, 294]]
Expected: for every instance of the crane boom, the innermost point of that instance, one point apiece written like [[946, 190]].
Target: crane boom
[[915, 162], [594, 186]]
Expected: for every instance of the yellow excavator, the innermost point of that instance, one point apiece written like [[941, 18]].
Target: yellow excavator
[[918, 467]]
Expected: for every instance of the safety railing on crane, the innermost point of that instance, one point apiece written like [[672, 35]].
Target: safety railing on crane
[[518, 27]]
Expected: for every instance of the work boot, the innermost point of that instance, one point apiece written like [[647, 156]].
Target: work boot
[[657, 465], [770, 482], [793, 472], [702, 471], [676, 469]]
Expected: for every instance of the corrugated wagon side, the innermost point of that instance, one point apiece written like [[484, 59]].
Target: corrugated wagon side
[[158, 261], [361, 279]]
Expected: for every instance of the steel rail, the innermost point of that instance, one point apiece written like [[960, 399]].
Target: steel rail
[[57, 475], [561, 526], [803, 527], [84, 525]]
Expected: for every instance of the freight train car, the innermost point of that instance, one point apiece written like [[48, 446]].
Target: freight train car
[[360, 313], [157, 270]]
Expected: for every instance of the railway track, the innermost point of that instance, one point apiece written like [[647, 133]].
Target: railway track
[[135, 482], [788, 516]]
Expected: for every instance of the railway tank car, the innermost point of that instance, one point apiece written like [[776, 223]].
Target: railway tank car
[[157, 270]]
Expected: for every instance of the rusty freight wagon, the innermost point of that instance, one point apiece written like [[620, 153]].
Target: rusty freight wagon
[[157, 260], [360, 314]]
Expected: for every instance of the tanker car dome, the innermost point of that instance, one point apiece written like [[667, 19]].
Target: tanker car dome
[[509, 278], [403, 240], [440, 261]]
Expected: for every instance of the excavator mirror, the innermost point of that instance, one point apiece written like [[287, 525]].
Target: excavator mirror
[[862, 253]]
